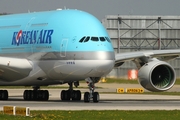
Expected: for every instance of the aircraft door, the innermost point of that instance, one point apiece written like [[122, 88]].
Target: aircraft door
[[63, 47], [27, 26]]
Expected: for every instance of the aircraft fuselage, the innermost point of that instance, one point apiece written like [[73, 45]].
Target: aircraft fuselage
[[60, 46]]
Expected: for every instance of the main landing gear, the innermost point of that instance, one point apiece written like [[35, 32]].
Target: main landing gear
[[36, 94], [71, 94]]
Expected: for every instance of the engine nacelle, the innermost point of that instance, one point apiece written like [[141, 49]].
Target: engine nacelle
[[157, 76]]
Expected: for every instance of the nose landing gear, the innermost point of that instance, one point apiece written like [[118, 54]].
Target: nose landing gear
[[91, 95]]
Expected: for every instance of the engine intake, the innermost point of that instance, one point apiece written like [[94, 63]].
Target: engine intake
[[157, 76]]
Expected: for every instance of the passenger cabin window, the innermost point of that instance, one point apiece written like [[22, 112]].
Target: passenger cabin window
[[94, 38]]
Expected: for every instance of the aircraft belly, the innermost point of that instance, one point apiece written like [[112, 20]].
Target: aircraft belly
[[80, 69]]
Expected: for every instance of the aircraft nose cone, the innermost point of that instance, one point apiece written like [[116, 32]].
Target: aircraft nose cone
[[105, 62], [105, 66]]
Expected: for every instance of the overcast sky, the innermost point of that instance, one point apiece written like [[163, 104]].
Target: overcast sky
[[98, 8]]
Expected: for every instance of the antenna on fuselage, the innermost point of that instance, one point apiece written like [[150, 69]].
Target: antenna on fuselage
[[59, 9]]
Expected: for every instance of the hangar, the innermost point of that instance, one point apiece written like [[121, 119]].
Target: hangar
[[136, 33]]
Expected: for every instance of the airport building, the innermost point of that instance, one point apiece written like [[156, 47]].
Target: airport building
[[137, 33]]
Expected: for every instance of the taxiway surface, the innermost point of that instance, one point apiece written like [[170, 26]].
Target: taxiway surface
[[107, 101], [114, 103]]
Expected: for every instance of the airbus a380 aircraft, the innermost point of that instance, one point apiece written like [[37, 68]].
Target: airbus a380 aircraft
[[66, 46]]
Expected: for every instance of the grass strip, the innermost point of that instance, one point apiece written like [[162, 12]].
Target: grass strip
[[98, 115]]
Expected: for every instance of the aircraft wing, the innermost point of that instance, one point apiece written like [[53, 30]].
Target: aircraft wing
[[154, 73], [12, 69], [163, 55]]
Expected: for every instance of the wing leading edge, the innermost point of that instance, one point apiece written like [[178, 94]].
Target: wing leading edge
[[163, 55]]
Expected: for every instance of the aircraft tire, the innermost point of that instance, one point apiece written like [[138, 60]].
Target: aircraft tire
[[25, 95], [76, 95], [79, 95], [45, 95], [3, 94], [67, 95], [95, 97], [86, 97], [62, 95]]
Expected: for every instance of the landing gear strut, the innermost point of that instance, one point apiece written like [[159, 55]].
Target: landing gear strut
[[36, 94], [70, 93], [91, 95]]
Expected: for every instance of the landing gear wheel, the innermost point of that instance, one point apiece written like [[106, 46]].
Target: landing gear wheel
[[62, 95], [86, 97], [71, 94], [27, 95], [76, 95], [96, 97], [45, 95], [36, 95], [3, 94], [65, 95]]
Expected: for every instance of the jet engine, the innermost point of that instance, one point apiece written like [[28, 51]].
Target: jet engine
[[157, 76]]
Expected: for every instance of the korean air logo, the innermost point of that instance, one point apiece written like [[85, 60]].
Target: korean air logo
[[32, 37], [18, 36]]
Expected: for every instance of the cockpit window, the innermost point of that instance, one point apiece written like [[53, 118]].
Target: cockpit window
[[102, 39], [82, 39], [87, 39], [107, 38], [94, 38]]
